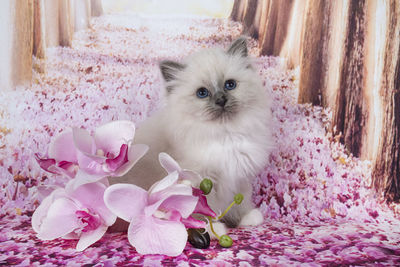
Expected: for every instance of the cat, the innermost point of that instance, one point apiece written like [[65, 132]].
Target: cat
[[216, 121]]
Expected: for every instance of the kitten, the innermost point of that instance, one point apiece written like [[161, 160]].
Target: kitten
[[215, 122]]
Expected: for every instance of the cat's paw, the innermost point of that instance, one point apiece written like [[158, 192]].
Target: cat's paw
[[219, 228], [252, 218]]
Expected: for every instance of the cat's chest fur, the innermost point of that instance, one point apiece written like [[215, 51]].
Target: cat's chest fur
[[227, 155]]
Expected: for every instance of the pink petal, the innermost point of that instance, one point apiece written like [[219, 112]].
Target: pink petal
[[150, 235], [60, 220], [181, 203], [43, 191], [166, 182], [41, 211], [62, 147], [91, 197], [118, 161], [202, 205], [168, 163], [126, 201], [65, 164], [176, 189], [192, 176], [135, 153], [109, 137], [83, 141], [191, 222], [45, 163], [68, 168], [185, 205], [88, 238], [91, 164], [71, 235], [82, 178]]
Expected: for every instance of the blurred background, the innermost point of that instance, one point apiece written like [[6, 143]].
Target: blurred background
[[205, 8]]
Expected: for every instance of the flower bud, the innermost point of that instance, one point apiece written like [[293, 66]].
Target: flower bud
[[238, 198], [225, 241], [206, 185]]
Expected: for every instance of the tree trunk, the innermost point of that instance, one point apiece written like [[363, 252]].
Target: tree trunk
[[39, 41], [349, 59], [66, 22], [22, 45], [386, 173], [351, 113], [97, 8]]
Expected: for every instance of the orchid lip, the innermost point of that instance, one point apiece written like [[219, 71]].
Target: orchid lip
[[45, 163], [89, 221], [122, 158]]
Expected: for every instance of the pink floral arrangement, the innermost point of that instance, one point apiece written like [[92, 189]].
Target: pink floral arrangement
[[84, 209]]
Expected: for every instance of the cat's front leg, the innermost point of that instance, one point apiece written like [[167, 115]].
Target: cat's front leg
[[253, 218]]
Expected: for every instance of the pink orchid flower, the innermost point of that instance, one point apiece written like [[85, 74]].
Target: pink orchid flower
[[158, 218], [110, 151], [78, 214], [170, 165], [62, 156]]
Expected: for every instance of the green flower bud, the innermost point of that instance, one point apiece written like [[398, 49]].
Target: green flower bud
[[225, 241], [206, 185], [238, 198]]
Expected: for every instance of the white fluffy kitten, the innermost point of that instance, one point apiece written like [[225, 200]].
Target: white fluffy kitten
[[215, 122]]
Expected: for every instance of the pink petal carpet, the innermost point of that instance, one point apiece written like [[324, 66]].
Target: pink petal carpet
[[318, 204]]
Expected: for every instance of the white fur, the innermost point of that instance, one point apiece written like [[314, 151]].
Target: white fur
[[253, 218], [230, 152]]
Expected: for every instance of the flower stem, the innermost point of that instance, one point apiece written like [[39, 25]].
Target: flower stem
[[211, 227], [227, 209]]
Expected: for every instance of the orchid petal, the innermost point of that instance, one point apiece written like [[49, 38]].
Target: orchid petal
[[83, 141], [168, 163], [191, 222], [71, 235], [45, 163], [176, 189], [91, 164], [166, 182], [135, 153], [67, 168], [88, 238], [65, 164], [202, 205], [126, 201], [192, 176], [41, 211], [91, 196], [82, 178], [118, 161], [43, 191], [150, 235], [60, 220], [62, 147], [110, 136], [185, 205]]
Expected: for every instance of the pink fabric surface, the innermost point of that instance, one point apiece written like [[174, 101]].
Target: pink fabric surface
[[316, 198]]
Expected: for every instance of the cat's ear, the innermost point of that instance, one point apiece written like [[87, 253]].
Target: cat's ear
[[238, 47], [169, 69]]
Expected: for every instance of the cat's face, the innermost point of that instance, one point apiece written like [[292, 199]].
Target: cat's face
[[213, 85]]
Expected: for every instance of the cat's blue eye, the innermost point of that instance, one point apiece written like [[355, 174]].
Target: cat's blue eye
[[230, 84], [202, 92]]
